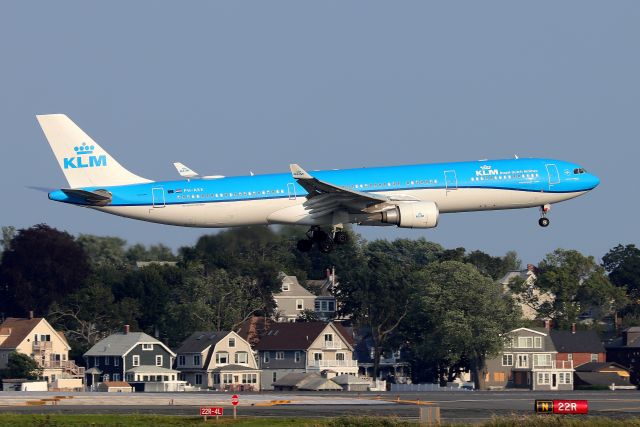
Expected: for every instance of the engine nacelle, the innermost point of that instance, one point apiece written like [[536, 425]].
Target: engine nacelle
[[413, 215]]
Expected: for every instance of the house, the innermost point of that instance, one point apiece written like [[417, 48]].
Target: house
[[531, 298], [115, 387], [529, 360], [351, 383], [135, 357], [580, 347], [625, 351], [293, 299], [35, 337], [305, 382], [602, 374], [220, 360], [304, 347], [392, 366]]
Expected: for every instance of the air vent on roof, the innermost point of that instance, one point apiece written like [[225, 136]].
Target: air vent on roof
[[200, 337], [212, 336]]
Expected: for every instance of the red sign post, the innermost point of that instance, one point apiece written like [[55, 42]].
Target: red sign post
[[207, 411], [234, 401]]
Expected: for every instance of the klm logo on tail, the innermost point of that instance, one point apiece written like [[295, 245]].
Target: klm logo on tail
[[84, 162]]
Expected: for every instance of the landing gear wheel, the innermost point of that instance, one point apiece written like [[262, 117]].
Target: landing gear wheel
[[341, 237], [543, 222], [304, 245], [326, 245]]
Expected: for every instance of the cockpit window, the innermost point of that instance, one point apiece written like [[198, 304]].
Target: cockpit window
[[578, 171]]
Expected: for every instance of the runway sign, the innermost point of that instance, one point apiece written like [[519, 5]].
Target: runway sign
[[211, 411], [561, 407]]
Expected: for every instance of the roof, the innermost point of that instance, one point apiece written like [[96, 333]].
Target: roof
[[601, 378], [633, 329], [306, 381], [292, 379], [146, 369], [116, 384], [578, 342], [296, 336], [120, 343], [349, 379], [295, 288], [234, 368], [319, 384], [598, 366], [199, 341], [20, 329]]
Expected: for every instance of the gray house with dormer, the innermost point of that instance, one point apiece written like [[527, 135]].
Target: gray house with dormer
[[293, 299], [135, 357]]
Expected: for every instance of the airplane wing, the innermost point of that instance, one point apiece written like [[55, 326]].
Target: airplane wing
[[185, 171], [325, 198]]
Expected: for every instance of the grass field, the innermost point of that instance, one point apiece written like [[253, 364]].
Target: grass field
[[102, 420]]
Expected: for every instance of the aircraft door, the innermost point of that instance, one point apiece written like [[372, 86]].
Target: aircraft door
[[450, 180], [554, 175], [157, 194], [291, 188]]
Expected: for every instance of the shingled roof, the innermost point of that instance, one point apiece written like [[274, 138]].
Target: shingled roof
[[296, 336], [577, 342], [200, 340], [19, 330]]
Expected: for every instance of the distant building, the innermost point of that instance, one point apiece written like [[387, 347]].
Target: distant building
[[580, 347], [36, 338], [293, 299], [602, 374], [625, 351], [135, 357], [392, 366], [532, 297], [307, 381], [220, 360], [529, 360]]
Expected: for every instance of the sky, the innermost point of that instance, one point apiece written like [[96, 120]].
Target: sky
[[229, 87]]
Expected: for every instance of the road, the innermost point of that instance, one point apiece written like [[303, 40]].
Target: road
[[468, 407]]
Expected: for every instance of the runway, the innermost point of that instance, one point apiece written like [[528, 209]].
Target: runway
[[468, 407]]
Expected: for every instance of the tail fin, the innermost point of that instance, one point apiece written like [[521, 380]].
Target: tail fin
[[83, 162]]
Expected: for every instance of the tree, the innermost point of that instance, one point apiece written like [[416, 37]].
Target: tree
[[8, 233], [308, 315], [376, 291], [103, 250], [42, 265], [21, 366], [494, 267], [580, 285], [459, 317], [623, 265], [159, 252]]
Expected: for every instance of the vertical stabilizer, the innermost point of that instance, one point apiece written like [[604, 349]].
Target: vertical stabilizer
[[83, 162]]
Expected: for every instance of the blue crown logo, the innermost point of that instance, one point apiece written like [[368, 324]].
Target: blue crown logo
[[83, 149]]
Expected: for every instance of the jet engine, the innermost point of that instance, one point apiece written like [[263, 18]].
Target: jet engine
[[412, 215]]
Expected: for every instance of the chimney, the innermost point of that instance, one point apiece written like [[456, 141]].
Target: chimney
[[531, 267], [126, 329], [30, 314], [573, 328], [547, 325]]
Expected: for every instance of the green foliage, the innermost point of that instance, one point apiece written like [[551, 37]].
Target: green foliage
[[8, 233], [579, 285], [458, 317], [307, 315], [494, 267], [42, 266], [21, 366], [103, 250], [623, 265]]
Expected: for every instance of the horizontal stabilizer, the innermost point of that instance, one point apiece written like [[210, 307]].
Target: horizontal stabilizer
[[93, 198]]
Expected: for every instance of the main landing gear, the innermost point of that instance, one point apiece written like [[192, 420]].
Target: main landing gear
[[326, 243], [544, 221]]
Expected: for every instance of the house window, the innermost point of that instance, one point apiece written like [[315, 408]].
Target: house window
[[317, 305], [249, 378], [525, 342], [542, 360], [196, 359], [116, 377], [116, 361], [507, 360], [227, 378], [537, 342], [285, 287], [317, 356], [198, 379], [328, 337], [158, 360], [106, 361], [242, 357], [498, 376], [181, 360], [45, 337], [594, 357], [136, 360], [544, 378], [275, 377], [296, 357], [222, 357], [299, 304], [232, 342], [147, 347], [339, 356], [570, 356], [331, 306], [105, 377], [279, 355], [565, 378], [265, 357]]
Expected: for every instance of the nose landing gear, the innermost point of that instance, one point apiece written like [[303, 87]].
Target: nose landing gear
[[544, 221], [325, 242]]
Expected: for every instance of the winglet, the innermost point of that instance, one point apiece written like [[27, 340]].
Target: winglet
[[185, 171], [298, 172]]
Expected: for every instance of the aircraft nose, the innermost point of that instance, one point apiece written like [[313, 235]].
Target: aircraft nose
[[593, 181]]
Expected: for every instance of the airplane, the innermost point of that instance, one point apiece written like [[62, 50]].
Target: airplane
[[411, 196]]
